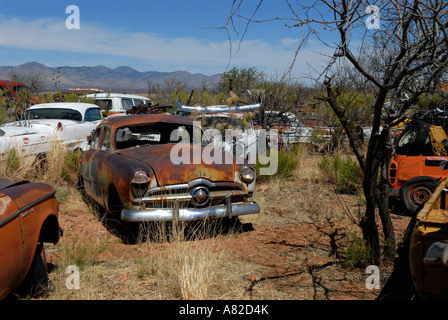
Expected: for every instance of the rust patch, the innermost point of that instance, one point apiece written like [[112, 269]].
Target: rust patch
[[5, 204]]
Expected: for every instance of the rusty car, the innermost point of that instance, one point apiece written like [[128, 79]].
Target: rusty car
[[28, 219], [158, 167], [12, 89]]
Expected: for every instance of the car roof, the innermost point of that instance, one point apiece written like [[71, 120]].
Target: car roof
[[125, 120], [10, 83], [115, 95], [79, 106]]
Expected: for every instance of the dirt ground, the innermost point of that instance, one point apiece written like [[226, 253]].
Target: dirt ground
[[293, 250]]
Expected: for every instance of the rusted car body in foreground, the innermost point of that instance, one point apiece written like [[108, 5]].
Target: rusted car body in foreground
[[28, 218], [132, 169]]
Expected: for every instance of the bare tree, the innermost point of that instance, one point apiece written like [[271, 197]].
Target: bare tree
[[33, 79], [408, 41]]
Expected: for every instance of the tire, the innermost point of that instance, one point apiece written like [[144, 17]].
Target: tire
[[36, 282], [414, 140], [129, 232], [415, 192]]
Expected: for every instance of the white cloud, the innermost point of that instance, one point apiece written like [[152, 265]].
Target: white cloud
[[165, 52]]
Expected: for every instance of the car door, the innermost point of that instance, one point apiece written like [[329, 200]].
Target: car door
[[92, 147], [98, 182], [11, 249]]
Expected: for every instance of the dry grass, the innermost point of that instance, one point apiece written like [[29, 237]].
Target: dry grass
[[48, 169], [162, 270]]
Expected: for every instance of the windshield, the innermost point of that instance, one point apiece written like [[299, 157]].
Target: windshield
[[54, 113], [158, 133]]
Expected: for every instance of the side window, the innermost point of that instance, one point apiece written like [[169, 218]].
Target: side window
[[127, 104], [105, 141], [93, 145], [105, 105], [92, 114]]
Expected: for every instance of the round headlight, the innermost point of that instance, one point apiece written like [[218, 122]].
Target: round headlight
[[247, 173], [140, 177]]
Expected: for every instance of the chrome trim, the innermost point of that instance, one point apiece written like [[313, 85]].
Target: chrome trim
[[25, 208], [214, 195], [192, 184], [190, 214]]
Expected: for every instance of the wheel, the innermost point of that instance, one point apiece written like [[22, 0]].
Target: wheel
[[36, 281], [129, 232], [415, 192], [414, 140]]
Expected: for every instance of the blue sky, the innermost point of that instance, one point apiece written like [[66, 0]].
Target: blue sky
[[150, 36]]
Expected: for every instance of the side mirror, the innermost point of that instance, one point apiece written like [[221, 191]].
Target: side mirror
[[444, 165], [437, 254]]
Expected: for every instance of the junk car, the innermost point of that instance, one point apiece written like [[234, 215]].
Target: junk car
[[116, 103], [414, 170], [28, 219], [43, 124], [157, 167]]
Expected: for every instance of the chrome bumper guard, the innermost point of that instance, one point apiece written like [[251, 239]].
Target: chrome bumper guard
[[190, 214]]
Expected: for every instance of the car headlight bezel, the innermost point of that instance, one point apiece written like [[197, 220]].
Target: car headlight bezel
[[247, 173], [139, 183], [140, 177]]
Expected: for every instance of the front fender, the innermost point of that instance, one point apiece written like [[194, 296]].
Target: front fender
[[118, 173]]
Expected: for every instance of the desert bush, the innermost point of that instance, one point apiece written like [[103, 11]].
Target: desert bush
[[70, 168], [357, 253], [287, 160], [81, 253], [344, 173]]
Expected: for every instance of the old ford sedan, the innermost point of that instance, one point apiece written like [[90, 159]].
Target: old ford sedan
[[144, 168]]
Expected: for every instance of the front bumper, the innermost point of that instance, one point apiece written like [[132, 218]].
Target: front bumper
[[189, 214]]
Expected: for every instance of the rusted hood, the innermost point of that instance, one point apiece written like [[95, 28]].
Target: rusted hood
[[197, 164]]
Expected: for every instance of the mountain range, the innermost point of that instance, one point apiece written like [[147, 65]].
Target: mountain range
[[121, 79]]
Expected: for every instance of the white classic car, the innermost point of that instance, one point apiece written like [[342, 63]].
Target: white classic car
[[43, 124]]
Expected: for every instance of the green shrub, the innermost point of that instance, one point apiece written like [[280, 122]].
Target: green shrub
[[12, 160], [357, 253], [287, 163], [71, 164], [344, 173]]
